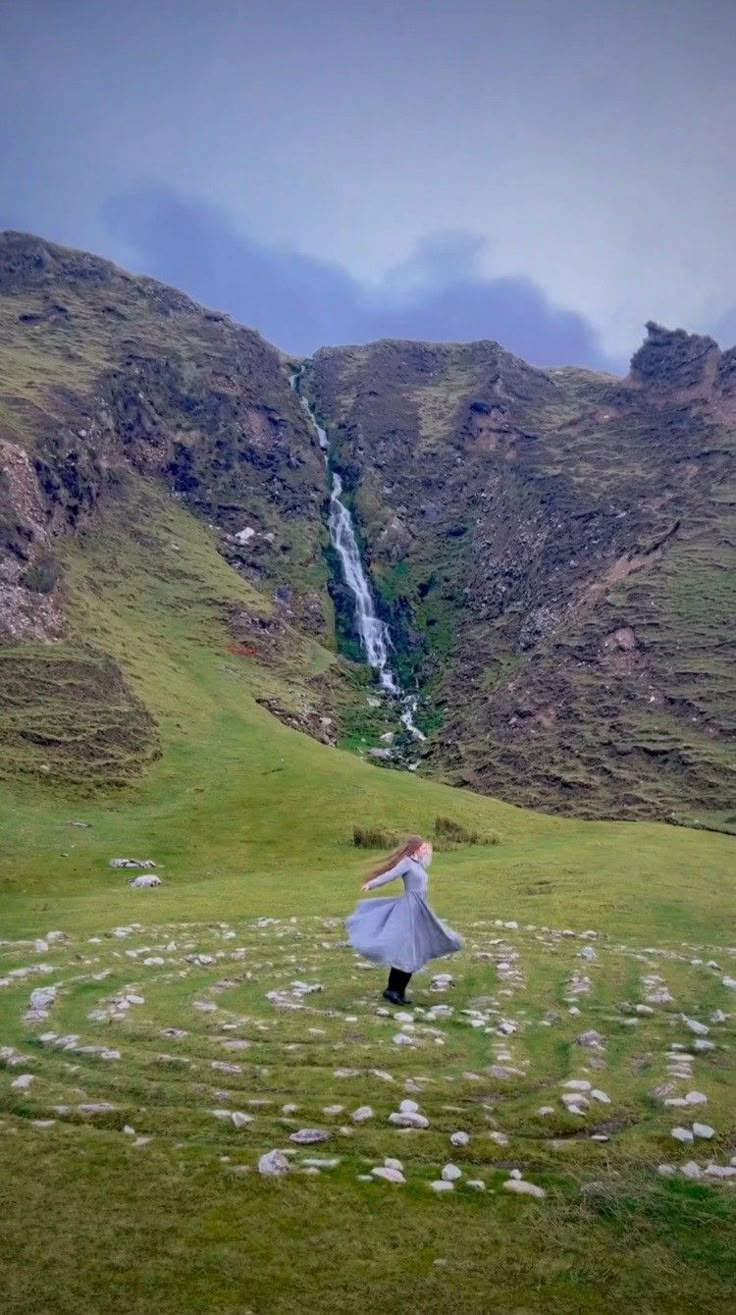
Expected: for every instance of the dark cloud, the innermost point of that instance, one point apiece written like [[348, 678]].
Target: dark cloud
[[302, 303]]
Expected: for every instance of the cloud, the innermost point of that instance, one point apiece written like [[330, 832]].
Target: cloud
[[301, 303]]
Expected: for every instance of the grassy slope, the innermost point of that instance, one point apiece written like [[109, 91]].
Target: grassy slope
[[248, 818]]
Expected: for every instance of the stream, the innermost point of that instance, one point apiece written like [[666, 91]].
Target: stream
[[374, 633]]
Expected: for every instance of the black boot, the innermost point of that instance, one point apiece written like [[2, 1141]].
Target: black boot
[[397, 984]]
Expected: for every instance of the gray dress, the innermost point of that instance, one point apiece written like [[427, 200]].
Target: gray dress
[[403, 933]]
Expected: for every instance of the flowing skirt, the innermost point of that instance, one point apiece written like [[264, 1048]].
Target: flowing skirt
[[402, 933]]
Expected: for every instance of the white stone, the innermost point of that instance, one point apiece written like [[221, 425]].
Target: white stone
[[523, 1188], [391, 1163], [132, 863], [145, 882], [273, 1164], [408, 1120], [600, 1096], [241, 1120], [703, 1130], [666, 1170], [308, 1136], [23, 1082], [682, 1134], [408, 1107], [460, 1139], [451, 1173], [696, 1098], [43, 997], [577, 1084], [388, 1175], [476, 1184], [730, 982], [442, 1185], [545, 1110], [700, 1029], [691, 1170], [516, 1173], [362, 1114], [721, 1170]]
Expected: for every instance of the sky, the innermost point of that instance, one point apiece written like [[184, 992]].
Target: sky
[[547, 173]]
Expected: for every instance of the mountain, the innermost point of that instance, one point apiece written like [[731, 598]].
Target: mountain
[[555, 551]]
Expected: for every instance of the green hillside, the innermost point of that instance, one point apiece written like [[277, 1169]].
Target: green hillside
[[157, 1202]]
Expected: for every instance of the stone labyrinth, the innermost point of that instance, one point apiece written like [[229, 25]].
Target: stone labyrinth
[[547, 1059]]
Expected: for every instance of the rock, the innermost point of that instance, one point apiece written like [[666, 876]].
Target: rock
[[476, 1184], [600, 1096], [43, 998], [730, 982], [442, 1185], [23, 1082], [691, 1170], [577, 1084], [273, 1164], [523, 1188], [502, 1071], [721, 1171], [666, 1170], [451, 1173], [408, 1107], [132, 863], [241, 1120], [388, 1175], [701, 1045], [403, 1039], [700, 1029], [460, 1139], [334, 1110], [592, 1040], [361, 1115], [309, 1136], [516, 1173], [145, 882], [408, 1120], [703, 1130], [683, 1135], [545, 1110], [588, 953], [696, 1098]]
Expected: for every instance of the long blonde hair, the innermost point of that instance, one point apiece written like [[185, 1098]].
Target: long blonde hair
[[409, 847]]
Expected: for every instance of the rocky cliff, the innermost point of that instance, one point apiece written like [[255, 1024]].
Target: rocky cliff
[[555, 550]]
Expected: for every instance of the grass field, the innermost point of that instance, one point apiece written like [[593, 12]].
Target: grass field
[[175, 1002]]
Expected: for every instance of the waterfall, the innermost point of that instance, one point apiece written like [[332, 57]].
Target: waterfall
[[374, 633]]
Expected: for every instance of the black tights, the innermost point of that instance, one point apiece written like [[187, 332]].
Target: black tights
[[398, 981]]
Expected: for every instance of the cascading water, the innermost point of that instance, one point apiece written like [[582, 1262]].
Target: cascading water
[[374, 633]]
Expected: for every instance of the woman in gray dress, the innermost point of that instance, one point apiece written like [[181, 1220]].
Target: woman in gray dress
[[401, 932]]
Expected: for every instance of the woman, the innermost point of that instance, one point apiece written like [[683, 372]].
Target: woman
[[403, 933]]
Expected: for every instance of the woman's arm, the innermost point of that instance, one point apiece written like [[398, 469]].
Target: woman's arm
[[385, 877]]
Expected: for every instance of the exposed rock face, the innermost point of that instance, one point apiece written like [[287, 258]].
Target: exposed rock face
[[564, 572], [117, 372], [555, 550]]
